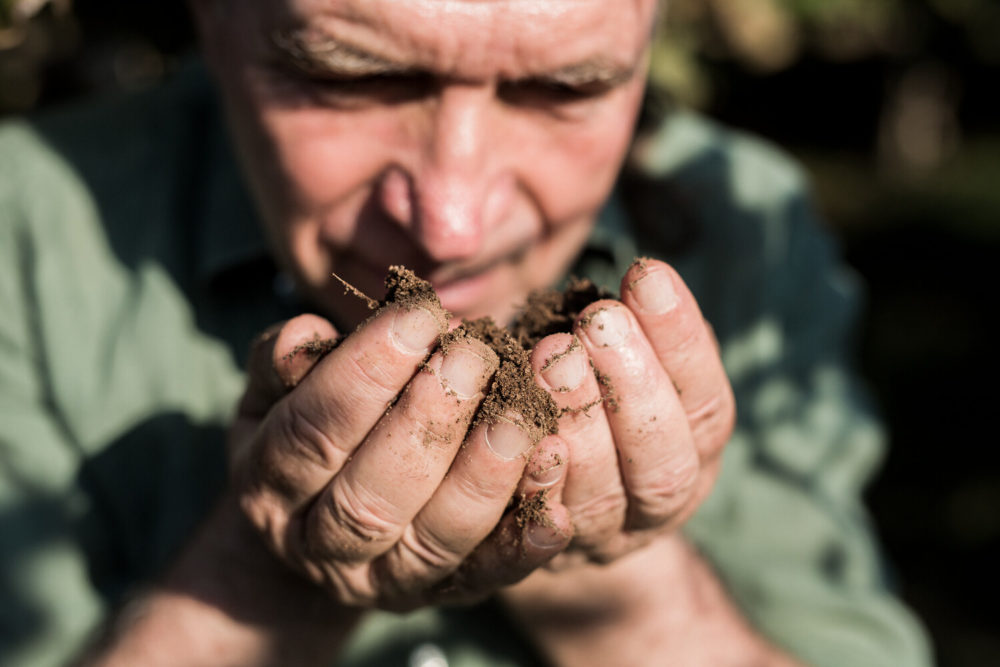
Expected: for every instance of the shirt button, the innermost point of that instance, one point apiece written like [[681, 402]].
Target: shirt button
[[428, 655]]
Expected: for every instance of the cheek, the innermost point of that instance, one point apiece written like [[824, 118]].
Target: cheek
[[324, 160], [575, 169]]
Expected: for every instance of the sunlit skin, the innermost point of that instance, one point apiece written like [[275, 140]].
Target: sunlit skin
[[473, 142]]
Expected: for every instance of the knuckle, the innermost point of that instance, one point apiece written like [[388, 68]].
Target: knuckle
[[352, 586], [713, 421], [268, 517], [374, 378], [428, 426], [305, 438], [356, 520], [479, 488], [429, 554], [600, 513], [655, 502]]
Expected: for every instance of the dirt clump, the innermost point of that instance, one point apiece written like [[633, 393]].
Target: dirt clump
[[403, 287], [513, 389], [550, 311]]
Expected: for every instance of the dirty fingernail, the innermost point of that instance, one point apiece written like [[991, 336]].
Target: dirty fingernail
[[542, 536], [548, 472], [463, 372], [654, 292], [607, 327], [414, 330], [507, 440], [565, 371]]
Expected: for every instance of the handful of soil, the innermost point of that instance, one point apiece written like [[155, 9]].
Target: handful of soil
[[513, 390]]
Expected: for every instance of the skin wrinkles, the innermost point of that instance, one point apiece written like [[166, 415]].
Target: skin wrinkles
[[325, 55]]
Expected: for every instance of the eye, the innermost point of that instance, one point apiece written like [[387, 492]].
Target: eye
[[388, 88], [544, 92]]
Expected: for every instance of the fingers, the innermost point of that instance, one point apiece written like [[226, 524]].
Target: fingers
[[280, 357], [401, 463], [526, 539], [466, 506], [546, 468], [684, 345], [307, 436], [594, 493], [656, 455]]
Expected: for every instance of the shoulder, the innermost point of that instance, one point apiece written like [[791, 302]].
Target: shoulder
[[64, 169], [745, 169]]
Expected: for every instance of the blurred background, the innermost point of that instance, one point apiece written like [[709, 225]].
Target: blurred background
[[892, 105]]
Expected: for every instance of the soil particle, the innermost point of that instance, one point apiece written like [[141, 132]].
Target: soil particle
[[532, 510], [315, 348], [639, 263], [607, 389]]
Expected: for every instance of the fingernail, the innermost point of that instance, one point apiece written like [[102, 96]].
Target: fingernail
[[507, 440], [463, 372], [543, 537], [565, 371], [607, 327], [654, 292], [414, 330], [549, 472]]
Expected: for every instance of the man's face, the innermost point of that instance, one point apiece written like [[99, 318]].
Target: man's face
[[473, 141]]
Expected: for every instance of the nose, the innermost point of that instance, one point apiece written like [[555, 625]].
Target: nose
[[452, 191]]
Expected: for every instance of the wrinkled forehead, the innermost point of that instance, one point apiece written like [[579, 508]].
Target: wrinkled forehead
[[466, 38]]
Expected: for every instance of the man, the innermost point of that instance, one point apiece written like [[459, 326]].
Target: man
[[477, 142]]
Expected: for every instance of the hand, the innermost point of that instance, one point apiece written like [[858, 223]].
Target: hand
[[645, 427], [359, 473]]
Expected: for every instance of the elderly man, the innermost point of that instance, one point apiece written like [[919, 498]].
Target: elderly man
[[480, 143]]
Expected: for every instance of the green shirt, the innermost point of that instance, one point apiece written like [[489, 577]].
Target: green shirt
[[133, 275]]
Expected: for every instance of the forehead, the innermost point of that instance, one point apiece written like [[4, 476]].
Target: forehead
[[470, 38]]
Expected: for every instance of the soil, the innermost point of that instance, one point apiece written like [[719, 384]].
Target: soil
[[514, 388], [551, 311], [532, 509], [315, 348], [402, 286]]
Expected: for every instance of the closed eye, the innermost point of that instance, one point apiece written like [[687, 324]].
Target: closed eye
[[540, 92]]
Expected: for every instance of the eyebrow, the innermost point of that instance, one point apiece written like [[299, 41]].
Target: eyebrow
[[328, 56], [331, 57]]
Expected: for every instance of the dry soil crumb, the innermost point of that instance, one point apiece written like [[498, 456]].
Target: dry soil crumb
[[315, 348], [607, 389], [532, 509]]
